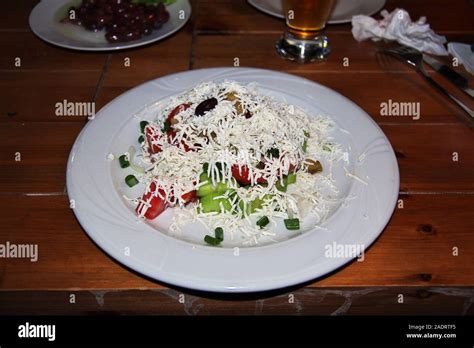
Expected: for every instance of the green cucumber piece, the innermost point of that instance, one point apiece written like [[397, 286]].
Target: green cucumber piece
[[203, 177], [291, 178], [210, 203], [252, 206], [220, 188]]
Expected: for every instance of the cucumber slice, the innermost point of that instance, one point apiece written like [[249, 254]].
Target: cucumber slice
[[252, 206], [203, 177], [208, 189], [210, 203]]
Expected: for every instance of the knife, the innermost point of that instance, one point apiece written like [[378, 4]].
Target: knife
[[455, 78]]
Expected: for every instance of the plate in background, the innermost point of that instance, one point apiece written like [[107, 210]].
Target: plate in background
[[342, 12], [45, 23]]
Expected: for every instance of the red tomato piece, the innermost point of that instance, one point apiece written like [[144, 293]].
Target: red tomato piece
[[171, 135], [241, 174], [175, 111], [151, 135], [157, 204], [190, 196]]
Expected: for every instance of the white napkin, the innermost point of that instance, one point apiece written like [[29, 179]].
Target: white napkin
[[464, 54], [399, 26]]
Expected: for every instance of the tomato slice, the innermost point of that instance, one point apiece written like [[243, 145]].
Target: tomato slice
[[157, 204], [190, 196], [176, 111], [242, 175], [151, 135], [171, 135]]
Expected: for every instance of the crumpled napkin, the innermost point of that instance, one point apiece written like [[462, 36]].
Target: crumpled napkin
[[399, 26], [464, 53]]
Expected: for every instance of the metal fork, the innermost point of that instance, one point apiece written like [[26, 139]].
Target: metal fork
[[414, 58]]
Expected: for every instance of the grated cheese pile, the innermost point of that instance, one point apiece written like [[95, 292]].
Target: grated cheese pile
[[240, 131]]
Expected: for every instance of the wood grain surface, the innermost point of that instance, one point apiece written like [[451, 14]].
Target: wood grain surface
[[413, 256]]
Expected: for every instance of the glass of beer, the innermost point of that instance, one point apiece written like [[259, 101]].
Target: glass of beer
[[304, 40]]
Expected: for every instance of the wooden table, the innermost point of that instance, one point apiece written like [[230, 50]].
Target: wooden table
[[413, 268]]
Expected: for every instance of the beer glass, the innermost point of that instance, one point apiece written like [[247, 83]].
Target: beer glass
[[304, 40]]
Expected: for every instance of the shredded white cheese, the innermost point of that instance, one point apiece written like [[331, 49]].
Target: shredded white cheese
[[242, 131]]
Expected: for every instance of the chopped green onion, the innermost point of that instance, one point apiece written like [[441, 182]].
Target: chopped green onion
[[273, 153], [141, 139], [291, 178], [143, 124], [166, 126], [211, 240], [263, 221], [219, 233], [326, 148], [292, 224], [281, 187], [305, 142], [124, 163], [131, 180]]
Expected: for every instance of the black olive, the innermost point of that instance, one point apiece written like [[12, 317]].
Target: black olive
[[205, 106]]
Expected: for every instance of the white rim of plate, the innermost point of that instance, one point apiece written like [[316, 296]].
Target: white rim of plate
[[51, 6], [205, 268]]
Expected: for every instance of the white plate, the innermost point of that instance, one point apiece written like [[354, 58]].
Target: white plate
[[342, 12], [45, 17], [96, 185]]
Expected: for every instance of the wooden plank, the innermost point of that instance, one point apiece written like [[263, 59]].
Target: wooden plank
[[372, 91], [32, 95], [35, 54], [315, 301], [347, 54], [43, 149], [14, 14], [224, 16], [259, 51], [427, 157], [416, 249], [368, 80], [132, 67]]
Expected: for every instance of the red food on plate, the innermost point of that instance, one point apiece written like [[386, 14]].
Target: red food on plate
[[241, 174], [190, 196], [176, 111], [152, 134], [157, 204]]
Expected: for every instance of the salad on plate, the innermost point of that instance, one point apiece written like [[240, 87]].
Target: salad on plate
[[234, 159]]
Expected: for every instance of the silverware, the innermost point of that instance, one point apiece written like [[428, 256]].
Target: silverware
[[414, 58], [452, 76]]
